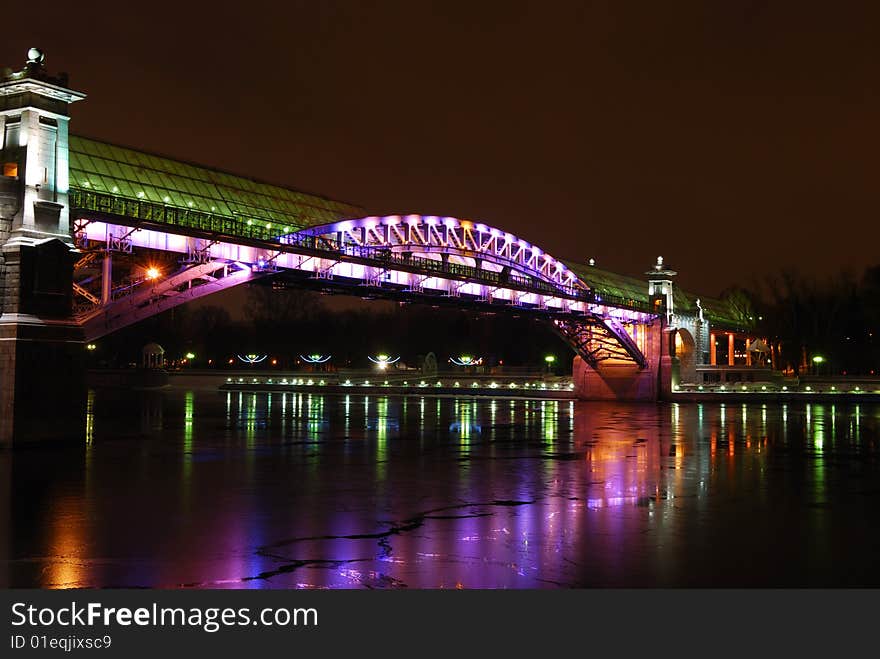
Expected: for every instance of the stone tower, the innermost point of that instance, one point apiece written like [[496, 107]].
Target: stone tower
[[40, 344]]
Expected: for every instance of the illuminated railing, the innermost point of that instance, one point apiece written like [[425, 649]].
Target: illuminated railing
[[189, 218], [384, 257], [192, 219]]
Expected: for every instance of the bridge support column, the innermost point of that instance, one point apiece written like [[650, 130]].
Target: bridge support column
[[41, 349], [42, 384], [625, 381]]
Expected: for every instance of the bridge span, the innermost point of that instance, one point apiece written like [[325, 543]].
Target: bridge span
[[96, 237]]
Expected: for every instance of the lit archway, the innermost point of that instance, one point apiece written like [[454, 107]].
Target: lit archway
[[686, 352]]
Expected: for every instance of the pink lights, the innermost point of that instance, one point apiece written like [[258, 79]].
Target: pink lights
[[422, 236]]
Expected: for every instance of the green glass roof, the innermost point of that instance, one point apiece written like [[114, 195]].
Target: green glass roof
[[610, 283], [718, 312], [125, 172], [128, 173]]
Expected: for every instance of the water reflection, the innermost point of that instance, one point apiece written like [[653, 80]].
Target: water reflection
[[305, 490]]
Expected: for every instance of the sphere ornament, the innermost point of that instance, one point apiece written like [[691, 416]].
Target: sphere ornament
[[35, 56]]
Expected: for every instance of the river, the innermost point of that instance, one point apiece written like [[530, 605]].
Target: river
[[205, 489]]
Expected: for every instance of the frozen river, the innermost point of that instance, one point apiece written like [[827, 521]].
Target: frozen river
[[202, 489]]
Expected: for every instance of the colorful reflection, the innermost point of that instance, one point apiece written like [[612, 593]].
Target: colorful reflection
[[310, 491]]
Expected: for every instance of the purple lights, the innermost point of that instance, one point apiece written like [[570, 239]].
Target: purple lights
[[463, 239]]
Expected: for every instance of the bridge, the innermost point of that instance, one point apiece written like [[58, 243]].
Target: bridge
[[97, 236]]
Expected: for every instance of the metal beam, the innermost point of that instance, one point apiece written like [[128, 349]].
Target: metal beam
[[161, 296]]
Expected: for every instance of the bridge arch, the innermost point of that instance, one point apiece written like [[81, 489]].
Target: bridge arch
[[686, 352], [472, 244]]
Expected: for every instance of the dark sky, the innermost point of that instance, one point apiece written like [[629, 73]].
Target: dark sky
[[734, 138]]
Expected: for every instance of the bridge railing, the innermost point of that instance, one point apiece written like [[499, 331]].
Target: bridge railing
[[190, 218], [382, 256], [260, 230]]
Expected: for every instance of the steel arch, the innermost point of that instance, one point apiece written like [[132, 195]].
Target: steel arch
[[447, 236]]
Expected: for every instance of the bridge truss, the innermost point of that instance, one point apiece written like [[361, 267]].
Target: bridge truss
[[415, 258]]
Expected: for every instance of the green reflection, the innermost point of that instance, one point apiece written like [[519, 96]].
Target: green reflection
[[188, 420], [381, 439], [549, 414], [90, 417], [816, 430]]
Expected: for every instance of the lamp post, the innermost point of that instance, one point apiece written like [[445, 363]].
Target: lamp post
[[817, 362], [550, 359]]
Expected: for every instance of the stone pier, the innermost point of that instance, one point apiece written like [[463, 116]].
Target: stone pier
[[41, 347]]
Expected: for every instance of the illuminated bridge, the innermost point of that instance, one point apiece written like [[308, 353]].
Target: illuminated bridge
[[97, 236]]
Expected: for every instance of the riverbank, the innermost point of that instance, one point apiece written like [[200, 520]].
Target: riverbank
[[548, 387], [535, 385]]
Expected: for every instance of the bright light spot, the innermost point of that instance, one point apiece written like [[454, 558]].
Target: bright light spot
[[91, 346], [140, 195], [190, 355], [382, 361], [466, 360], [549, 359], [807, 388], [166, 199], [818, 359], [153, 273]]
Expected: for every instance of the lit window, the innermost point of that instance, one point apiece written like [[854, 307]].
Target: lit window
[[10, 169]]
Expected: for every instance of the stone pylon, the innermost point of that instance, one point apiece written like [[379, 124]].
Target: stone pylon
[[41, 348]]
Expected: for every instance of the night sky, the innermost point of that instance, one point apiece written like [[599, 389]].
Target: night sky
[[734, 138]]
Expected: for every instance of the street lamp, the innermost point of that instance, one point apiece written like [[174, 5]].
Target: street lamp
[[817, 360], [549, 359]]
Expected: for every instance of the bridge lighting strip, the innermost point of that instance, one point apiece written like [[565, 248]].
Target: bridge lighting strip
[[252, 256]]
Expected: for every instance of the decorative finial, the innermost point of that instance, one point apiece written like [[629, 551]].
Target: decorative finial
[[36, 56], [660, 268]]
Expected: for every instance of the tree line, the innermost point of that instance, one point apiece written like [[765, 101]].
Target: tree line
[[837, 319]]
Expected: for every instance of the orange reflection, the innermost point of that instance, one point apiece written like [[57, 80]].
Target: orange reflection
[[67, 567]]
